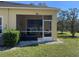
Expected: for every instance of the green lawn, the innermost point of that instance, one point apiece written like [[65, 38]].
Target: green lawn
[[70, 47]]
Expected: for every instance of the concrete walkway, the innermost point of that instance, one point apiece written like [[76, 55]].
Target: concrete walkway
[[56, 42], [26, 43]]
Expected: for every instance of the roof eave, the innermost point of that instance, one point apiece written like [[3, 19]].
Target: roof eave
[[31, 8]]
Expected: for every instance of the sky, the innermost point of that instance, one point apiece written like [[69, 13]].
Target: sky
[[58, 4]]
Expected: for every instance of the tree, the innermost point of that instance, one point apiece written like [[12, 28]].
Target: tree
[[42, 4], [72, 15], [61, 19]]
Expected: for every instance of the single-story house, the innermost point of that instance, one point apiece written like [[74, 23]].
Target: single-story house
[[34, 20]]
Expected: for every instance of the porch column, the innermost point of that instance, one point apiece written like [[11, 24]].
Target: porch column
[[54, 26]]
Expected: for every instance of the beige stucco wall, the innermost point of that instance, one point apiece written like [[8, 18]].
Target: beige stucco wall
[[9, 17], [54, 26], [4, 15]]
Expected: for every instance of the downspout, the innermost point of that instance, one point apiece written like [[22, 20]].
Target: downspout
[[8, 18]]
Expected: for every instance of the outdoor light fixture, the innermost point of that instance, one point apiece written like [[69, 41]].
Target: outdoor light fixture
[[37, 13]]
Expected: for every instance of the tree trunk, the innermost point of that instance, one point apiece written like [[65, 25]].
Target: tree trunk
[[72, 28], [62, 26]]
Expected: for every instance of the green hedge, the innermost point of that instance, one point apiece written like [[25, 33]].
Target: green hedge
[[11, 38]]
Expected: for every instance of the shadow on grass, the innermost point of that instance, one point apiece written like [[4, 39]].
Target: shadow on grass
[[65, 35], [33, 45], [3, 48], [68, 37], [61, 33]]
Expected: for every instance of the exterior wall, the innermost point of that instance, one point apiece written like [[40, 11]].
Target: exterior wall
[[9, 17], [54, 26], [4, 15], [14, 12]]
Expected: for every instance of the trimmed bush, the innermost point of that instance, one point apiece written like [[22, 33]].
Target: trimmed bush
[[11, 38]]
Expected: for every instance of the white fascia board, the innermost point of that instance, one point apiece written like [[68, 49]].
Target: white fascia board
[[31, 8]]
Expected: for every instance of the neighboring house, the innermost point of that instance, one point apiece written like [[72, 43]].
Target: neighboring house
[[36, 21]]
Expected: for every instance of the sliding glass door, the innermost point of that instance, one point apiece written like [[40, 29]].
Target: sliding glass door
[[47, 28]]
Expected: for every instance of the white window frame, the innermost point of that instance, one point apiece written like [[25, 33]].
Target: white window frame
[[1, 23], [43, 22]]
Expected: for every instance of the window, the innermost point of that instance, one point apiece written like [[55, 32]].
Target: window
[[47, 25], [34, 25], [0, 24]]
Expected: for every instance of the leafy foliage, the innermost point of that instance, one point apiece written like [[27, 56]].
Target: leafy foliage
[[61, 20], [72, 15], [68, 21], [11, 37]]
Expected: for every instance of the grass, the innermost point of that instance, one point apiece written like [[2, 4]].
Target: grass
[[70, 47]]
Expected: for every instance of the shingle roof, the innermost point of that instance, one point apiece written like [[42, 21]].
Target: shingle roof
[[11, 4], [5, 4]]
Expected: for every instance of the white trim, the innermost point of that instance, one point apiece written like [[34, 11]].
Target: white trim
[[31, 31], [47, 20], [36, 31], [42, 26], [31, 8]]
